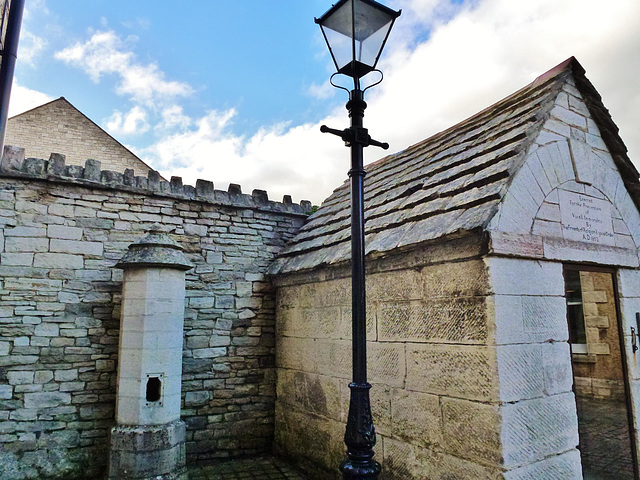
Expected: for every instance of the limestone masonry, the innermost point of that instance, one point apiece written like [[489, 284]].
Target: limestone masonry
[[58, 126], [64, 228]]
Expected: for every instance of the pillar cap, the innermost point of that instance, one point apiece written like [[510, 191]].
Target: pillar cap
[[155, 249]]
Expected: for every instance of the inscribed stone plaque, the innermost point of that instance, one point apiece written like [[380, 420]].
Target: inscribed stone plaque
[[585, 218]]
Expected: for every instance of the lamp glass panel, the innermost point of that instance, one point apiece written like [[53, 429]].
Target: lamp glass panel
[[371, 28], [369, 49], [340, 47]]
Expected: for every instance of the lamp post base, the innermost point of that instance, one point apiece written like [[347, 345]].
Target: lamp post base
[[360, 437], [360, 470]]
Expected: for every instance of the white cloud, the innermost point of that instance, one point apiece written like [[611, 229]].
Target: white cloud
[[322, 91], [494, 47], [134, 122], [478, 53], [29, 47], [105, 53], [174, 118], [23, 99], [283, 160]]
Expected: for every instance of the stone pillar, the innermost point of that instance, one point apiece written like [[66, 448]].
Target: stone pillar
[[148, 441]]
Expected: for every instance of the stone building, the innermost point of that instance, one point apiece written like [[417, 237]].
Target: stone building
[[503, 286], [502, 256], [58, 126]]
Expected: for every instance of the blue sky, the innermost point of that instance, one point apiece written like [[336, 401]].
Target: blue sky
[[236, 91]]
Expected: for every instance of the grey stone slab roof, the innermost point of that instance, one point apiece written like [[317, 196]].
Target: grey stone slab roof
[[451, 182]]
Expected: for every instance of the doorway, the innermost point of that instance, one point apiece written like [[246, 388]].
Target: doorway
[[599, 375]]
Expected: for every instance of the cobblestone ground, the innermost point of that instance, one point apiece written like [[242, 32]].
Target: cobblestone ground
[[260, 468], [604, 440]]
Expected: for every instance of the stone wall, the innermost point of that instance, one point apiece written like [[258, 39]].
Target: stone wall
[[598, 373], [59, 127], [539, 424], [63, 228], [467, 358], [432, 363]]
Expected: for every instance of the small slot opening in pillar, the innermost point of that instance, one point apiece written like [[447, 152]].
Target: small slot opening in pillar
[[154, 389]]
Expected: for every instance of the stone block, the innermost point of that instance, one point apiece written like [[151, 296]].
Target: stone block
[[556, 359], [472, 430], [22, 231], [17, 377], [47, 330], [315, 394], [12, 158], [16, 259], [397, 285], [598, 296], [321, 323], [460, 371], [511, 276], [325, 294], [569, 117], [416, 417], [148, 451], [43, 376], [628, 282], [92, 170], [6, 392], [566, 466], [405, 461], [521, 372], [58, 260], [535, 429], [77, 247], [317, 440], [456, 320], [386, 363], [528, 319], [597, 321], [46, 399], [28, 244], [330, 357]]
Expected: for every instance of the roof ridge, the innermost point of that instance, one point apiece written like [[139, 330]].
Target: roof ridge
[[450, 183]]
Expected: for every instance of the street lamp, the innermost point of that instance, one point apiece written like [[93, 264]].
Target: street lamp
[[355, 32]]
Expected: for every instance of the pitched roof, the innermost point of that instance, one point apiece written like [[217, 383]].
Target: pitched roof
[[451, 182], [66, 102]]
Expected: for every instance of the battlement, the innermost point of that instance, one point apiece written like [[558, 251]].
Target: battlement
[[14, 163]]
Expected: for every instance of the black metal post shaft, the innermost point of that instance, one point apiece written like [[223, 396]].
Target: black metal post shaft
[[9, 56], [360, 435]]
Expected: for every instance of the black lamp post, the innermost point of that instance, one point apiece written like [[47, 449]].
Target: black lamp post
[[355, 32]]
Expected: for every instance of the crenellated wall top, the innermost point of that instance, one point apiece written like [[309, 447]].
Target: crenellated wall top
[[14, 164]]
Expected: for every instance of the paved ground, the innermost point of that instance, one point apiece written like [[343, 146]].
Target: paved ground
[[261, 468], [604, 440]]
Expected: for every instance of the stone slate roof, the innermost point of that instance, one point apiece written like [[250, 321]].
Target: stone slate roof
[[449, 183]]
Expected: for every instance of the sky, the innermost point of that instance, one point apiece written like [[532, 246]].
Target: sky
[[236, 91]]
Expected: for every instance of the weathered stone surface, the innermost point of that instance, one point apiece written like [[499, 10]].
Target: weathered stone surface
[[144, 451], [565, 466], [458, 320], [528, 319], [472, 430], [538, 428], [417, 418], [510, 276], [62, 300], [404, 461], [460, 371], [46, 399]]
